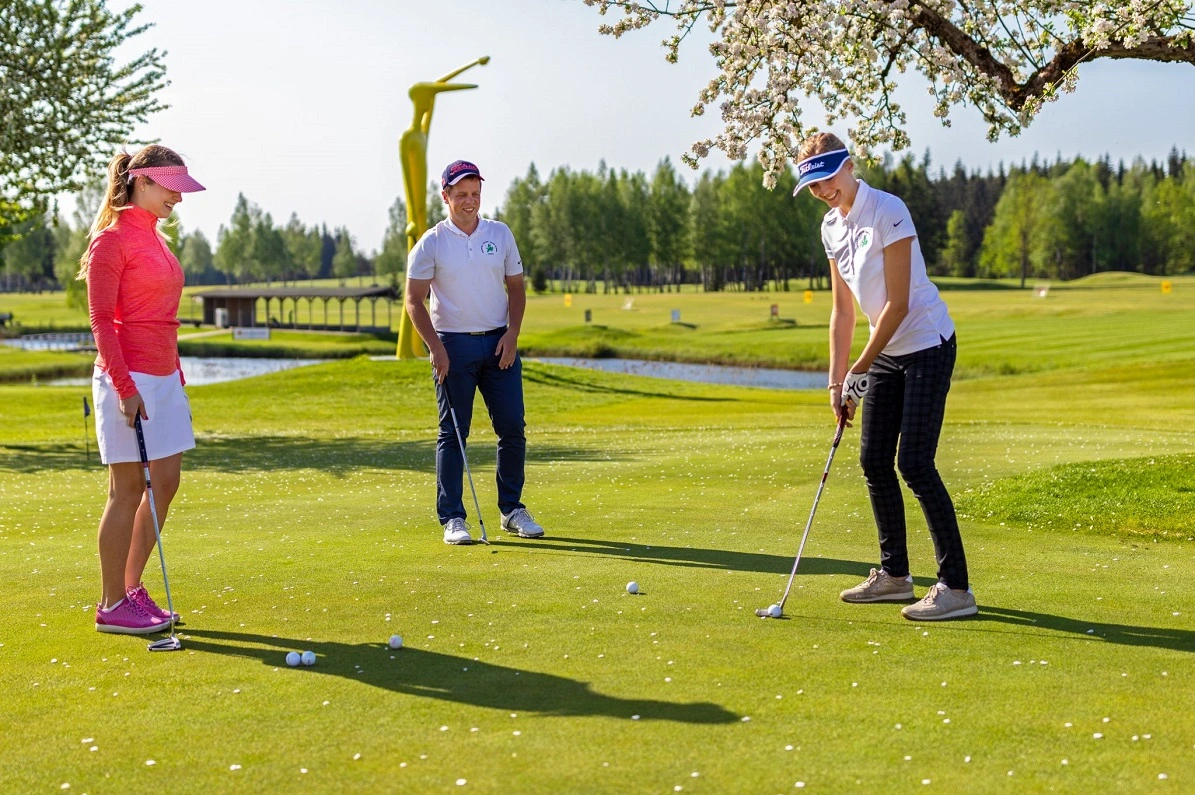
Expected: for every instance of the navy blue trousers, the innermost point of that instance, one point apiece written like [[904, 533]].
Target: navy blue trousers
[[905, 406], [472, 368]]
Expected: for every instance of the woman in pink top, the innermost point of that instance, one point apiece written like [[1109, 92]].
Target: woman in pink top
[[134, 284]]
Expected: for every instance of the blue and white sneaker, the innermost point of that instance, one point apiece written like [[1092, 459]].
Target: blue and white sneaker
[[457, 532], [520, 522]]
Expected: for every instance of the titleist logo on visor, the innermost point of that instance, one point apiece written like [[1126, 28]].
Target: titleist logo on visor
[[808, 166]]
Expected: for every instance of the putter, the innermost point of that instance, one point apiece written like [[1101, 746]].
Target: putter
[[763, 612], [171, 643], [456, 426]]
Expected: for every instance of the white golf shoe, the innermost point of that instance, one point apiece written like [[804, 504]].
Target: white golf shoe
[[520, 522], [457, 532]]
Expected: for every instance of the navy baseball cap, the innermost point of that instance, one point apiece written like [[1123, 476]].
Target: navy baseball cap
[[819, 167], [458, 170]]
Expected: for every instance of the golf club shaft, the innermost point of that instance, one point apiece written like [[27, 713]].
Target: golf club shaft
[[153, 512], [465, 458], [813, 511]]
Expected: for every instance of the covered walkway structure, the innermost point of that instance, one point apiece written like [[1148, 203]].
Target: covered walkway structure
[[239, 307]]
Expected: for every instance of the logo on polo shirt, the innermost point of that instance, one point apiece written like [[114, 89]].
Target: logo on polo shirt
[[488, 247], [865, 238]]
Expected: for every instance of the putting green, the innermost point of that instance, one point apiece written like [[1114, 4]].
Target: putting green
[[306, 521]]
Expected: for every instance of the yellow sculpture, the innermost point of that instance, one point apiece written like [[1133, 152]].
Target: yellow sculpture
[[412, 150]]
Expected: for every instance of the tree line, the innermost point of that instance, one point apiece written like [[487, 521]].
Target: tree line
[[619, 230]]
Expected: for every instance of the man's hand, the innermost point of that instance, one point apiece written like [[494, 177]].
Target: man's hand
[[439, 358], [508, 348]]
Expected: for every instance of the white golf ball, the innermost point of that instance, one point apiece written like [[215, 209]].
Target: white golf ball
[[632, 587], [396, 641], [308, 658], [293, 659], [774, 611]]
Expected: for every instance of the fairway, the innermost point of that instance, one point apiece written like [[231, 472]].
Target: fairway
[[306, 521]]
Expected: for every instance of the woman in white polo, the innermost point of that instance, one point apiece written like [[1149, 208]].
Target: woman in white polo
[[904, 371]]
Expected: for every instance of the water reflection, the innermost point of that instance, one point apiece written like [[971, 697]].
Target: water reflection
[[701, 373], [201, 370]]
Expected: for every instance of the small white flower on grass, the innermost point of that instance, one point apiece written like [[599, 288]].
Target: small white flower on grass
[[746, 718], [1098, 736], [926, 781], [304, 770], [234, 767], [1065, 762], [356, 757], [517, 733], [150, 763], [1162, 777], [460, 782], [800, 785], [634, 717], [788, 748]]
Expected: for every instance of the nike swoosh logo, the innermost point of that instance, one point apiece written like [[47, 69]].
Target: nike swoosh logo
[[898, 223]]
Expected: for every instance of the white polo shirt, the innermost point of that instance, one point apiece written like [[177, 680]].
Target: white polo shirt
[[468, 274], [856, 243]]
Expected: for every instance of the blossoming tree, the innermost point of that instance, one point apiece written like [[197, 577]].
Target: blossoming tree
[[1005, 58]]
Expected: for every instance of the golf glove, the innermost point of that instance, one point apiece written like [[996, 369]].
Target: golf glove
[[855, 387]]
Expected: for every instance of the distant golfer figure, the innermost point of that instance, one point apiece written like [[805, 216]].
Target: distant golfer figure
[[904, 371], [134, 284], [471, 267]]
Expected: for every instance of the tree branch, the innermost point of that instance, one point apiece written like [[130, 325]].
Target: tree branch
[[1067, 57]]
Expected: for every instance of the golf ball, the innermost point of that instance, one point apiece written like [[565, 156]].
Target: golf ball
[[632, 587], [774, 611], [308, 658], [293, 658], [396, 641]]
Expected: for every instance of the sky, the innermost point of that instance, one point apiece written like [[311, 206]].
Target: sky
[[299, 104]]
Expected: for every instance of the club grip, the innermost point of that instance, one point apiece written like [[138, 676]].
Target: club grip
[[140, 439]]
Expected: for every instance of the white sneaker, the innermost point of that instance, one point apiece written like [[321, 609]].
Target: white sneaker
[[457, 532], [520, 522]]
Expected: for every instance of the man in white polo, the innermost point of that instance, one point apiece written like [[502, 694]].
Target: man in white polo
[[471, 267]]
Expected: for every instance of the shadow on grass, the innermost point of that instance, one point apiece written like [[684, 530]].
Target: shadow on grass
[[1123, 634], [265, 453], [537, 376], [702, 558], [429, 674]]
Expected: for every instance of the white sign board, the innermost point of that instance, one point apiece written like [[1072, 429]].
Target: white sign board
[[257, 333]]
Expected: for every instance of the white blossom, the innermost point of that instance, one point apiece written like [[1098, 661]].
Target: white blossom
[[845, 54]]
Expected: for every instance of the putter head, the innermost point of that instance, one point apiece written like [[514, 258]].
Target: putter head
[[171, 643], [762, 612]]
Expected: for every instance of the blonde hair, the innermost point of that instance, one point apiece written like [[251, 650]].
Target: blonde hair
[[819, 144], [118, 197]]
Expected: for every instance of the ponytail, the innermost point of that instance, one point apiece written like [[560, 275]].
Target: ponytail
[[116, 199]]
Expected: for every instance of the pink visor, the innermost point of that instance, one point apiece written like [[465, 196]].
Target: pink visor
[[169, 177]]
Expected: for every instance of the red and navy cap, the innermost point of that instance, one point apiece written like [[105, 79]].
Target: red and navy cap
[[458, 170]]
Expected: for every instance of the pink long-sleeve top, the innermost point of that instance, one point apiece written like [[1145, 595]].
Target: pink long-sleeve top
[[134, 284]]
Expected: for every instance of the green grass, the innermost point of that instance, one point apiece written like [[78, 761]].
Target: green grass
[[287, 345], [1150, 497], [21, 366], [306, 521]]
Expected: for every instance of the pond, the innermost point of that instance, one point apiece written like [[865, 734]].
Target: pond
[[702, 373], [201, 370]]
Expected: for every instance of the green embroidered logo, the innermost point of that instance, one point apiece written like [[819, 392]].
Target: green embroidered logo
[[865, 239], [488, 248]]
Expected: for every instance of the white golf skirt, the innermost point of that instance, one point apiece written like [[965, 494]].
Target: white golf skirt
[[167, 431]]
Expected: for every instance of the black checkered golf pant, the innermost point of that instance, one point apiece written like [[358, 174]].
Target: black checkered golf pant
[[905, 404]]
